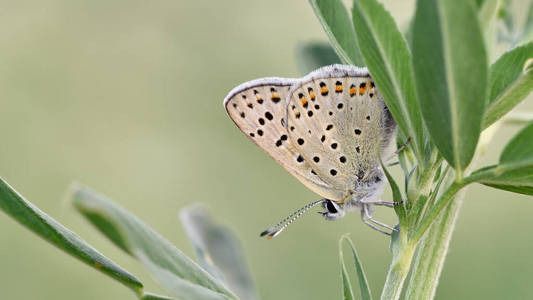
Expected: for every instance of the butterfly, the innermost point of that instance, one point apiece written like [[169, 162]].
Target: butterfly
[[328, 129]]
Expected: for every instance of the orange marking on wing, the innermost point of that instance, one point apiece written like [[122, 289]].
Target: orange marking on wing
[[362, 90], [338, 88], [304, 101], [353, 91], [312, 95], [324, 90]]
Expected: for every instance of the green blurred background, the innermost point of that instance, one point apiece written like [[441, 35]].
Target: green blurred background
[[126, 97]]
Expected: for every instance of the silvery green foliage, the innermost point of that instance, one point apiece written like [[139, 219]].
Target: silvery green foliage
[[443, 93]]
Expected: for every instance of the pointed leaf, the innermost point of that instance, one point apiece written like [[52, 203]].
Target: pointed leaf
[[514, 173], [450, 65], [311, 56], [363, 282], [347, 290], [510, 82], [396, 195], [177, 273], [335, 20], [389, 61], [149, 296], [218, 251], [29, 216]]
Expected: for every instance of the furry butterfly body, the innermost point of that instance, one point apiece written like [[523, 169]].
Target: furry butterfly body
[[328, 129]]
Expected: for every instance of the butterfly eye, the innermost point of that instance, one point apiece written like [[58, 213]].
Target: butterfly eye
[[331, 207]]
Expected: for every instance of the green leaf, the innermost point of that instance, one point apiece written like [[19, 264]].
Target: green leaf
[[363, 283], [335, 20], [408, 34], [218, 251], [389, 61], [347, 290], [519, 150], [527, 34], [487, 17], [396, 196], [511, 80], [450, 65], [176, 285], [29, 216], [148, 296], [507, 17], [177, 273], [514, 172], [313, 55], [488, 11], [526, 190]]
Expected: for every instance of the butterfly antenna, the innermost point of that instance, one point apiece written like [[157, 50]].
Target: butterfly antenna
[[276, 229]]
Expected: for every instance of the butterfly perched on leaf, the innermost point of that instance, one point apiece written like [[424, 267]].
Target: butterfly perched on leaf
[[328, 129]]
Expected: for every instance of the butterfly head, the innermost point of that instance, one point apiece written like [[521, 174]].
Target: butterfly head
[[333, 210]]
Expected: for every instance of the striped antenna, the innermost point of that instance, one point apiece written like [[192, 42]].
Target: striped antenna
[[276, 229]]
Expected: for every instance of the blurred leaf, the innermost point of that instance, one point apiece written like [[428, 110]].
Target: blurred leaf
[[510, 82], [177, 273], [389, 62], [347, 290], [313, 55], [487, 17], [176, 285], [218, 251], [519, 118], [28, 215], [335, 20], [514, 173], [487, 13], [527, 33], [155, 297], [363, 283], [450, 67], [507, 17]]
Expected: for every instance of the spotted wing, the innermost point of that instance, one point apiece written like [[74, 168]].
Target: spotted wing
[[339, 122], [258, 108]]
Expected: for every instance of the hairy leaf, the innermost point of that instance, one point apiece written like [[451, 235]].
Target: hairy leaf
[[450, 65], [389, 61]]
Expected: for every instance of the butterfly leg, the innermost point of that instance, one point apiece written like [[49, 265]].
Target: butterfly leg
[[384, 203], [402, 147], [367, 219], [374, 226]]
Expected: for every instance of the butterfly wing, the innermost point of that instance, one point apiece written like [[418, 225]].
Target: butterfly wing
[[339, 122], [258, 108]]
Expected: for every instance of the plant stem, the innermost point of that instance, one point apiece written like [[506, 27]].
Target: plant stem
[[431, 253], [436, 210], [399, 269]]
